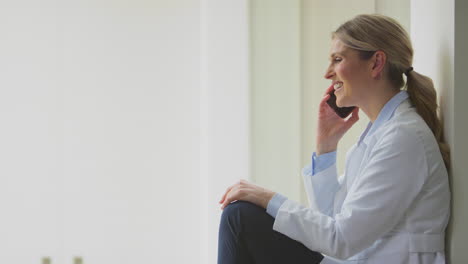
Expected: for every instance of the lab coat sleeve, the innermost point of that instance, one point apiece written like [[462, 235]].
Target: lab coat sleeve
[[378, 199], [321, 188], [323, 161], [275, 203]]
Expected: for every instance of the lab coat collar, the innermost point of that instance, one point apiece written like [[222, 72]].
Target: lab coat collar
[[385, 114]]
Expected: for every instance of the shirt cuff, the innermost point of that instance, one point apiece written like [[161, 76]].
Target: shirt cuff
[[275, 204], [322, 162]]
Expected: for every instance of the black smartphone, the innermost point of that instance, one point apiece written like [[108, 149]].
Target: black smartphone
[[342, 112]]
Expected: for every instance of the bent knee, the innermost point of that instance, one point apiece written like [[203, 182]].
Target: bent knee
[[242, 216], [238, 208], [232, 209]]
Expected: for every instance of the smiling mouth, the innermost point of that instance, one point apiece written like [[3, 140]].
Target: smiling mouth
[[338, 86]]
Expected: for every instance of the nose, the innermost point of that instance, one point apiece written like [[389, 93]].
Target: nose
[[329, 73]]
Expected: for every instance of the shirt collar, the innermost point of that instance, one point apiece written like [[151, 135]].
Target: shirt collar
[[385, 114]]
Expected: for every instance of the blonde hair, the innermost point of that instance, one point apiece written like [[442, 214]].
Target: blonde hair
[[370, 33]]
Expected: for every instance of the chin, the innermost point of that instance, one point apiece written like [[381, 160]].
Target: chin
[[342, 103], [339, 103]]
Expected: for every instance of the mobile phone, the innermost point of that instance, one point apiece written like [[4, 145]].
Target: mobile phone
[[342, 112]]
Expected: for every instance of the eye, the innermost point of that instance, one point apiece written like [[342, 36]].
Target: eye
[[337, 59]]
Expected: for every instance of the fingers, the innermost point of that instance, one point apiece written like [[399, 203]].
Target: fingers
[[233, 193], [329, 89], [225, 193], [229, 199], [353, 118], [323, 103], [324, 99], [354, 115], [325, 110]]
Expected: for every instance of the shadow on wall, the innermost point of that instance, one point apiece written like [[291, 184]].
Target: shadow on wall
[[444, 103]]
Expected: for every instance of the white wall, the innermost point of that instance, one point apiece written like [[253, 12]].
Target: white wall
[[101, 121], [398, 9], [224, 106], [31, 132], [276, 95], [130, 81], [122, 123]]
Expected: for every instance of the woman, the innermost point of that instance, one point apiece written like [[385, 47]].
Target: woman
[[392, 203]]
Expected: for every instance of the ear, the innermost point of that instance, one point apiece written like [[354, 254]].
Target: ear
[[378, 63]]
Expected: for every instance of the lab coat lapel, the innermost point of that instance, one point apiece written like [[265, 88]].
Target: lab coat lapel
[[357, 156], [354, 163]]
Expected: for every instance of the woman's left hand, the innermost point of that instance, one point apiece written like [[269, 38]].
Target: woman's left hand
[[246, 191]]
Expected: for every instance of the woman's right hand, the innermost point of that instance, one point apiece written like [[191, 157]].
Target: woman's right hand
[[331, 127]]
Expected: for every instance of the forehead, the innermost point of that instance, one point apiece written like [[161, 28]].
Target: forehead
[[337, 46]]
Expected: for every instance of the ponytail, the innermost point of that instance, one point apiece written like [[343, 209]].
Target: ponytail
[[424, 97]]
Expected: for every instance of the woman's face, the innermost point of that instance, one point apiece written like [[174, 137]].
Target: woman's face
[[349, 74]]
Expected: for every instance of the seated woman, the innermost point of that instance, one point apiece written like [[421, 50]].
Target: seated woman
[[392, 203]]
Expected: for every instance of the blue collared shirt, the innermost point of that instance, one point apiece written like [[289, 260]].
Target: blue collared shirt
[[324, 161]]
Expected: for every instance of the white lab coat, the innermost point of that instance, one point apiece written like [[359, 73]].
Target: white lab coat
[[390, 206]]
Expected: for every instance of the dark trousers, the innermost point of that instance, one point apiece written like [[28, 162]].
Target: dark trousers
[[246, 236]]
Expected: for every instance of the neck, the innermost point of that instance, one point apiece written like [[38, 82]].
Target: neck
[[375, 102]]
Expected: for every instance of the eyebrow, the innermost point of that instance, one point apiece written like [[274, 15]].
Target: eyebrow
[[335, 53]]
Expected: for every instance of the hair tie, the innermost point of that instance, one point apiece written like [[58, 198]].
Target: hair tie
[[408, 71]]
